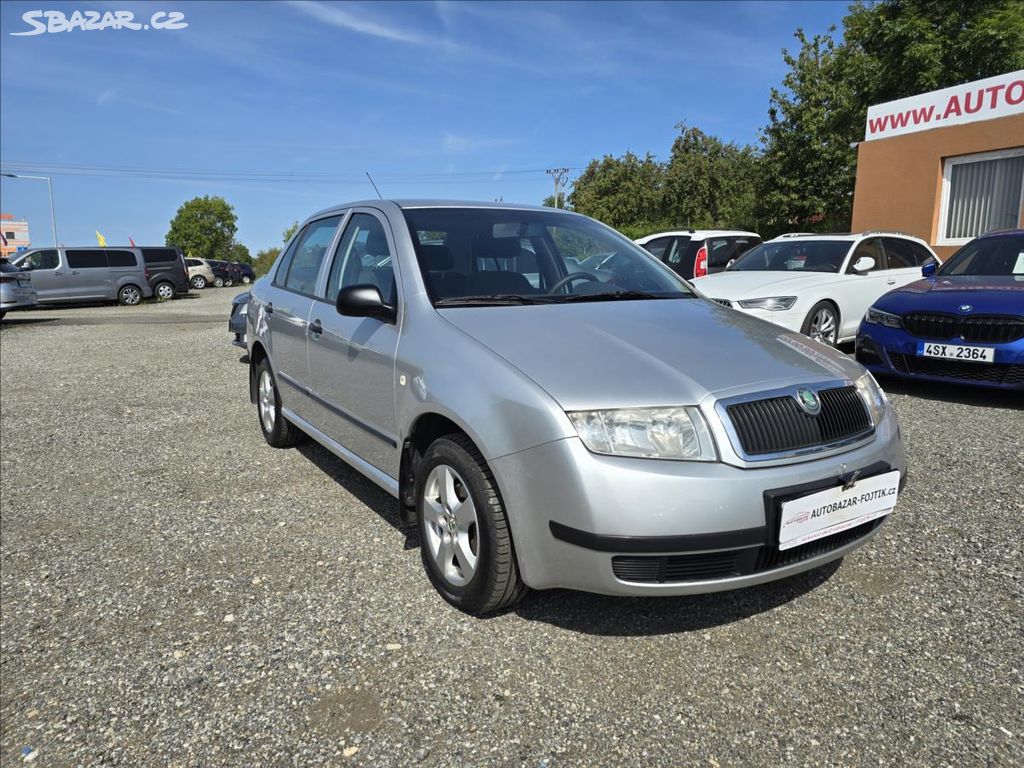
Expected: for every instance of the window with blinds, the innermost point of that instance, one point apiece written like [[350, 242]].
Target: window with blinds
[[982, 193]]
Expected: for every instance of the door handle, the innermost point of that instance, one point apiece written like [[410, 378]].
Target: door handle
[[891, 282], [74, 271], [315, 328], [57, 273], [270, 309]]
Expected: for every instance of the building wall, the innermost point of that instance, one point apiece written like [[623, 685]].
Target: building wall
[[899, 179], [16, 227]]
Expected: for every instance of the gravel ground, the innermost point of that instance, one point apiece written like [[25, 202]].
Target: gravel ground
[[175, 592]]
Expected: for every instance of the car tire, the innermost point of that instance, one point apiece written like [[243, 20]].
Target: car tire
[[198, 282], [228, 283], [218, 282], [467, 552], [822, 323], [277, 431], [246, 280], [163, 291], [129, 295]]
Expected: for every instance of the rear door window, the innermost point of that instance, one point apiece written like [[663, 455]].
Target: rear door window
[[83, 259], [121, 259], [305, 260], [159, 255]]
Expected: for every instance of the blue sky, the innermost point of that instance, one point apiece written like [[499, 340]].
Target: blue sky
[[435, 99]]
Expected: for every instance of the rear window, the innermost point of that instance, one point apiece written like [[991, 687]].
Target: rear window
[[159, 255], [86, 259], [121, 259]]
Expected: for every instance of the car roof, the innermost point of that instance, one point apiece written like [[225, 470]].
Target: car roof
[[697, 234], [1003, 233], [845, 236], [407, 203]]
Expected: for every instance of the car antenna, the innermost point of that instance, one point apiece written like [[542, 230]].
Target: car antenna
[[374, 186]]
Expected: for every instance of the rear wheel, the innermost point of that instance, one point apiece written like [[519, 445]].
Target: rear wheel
[[199, 282], [277, 431], [246, 280], [218, 282], [164, 291], [822, 323], [129, 295], [466, 542]]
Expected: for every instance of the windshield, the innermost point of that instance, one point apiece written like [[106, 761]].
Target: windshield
[[987, 256], [794, 256], [488, 256]]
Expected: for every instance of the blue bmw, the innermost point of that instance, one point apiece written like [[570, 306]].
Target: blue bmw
[[964, 322]]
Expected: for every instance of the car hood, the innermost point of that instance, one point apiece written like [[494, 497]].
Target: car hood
[[996, 294], [755, 285], [637, 353]]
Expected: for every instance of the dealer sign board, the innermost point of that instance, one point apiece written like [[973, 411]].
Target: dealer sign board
[[997, 96]]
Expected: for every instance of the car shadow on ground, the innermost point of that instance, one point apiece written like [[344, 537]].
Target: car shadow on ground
[[953, 393], [26, 320], [364, 490], [638, 616]]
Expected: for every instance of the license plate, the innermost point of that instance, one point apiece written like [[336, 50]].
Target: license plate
[[956, 352], [834, 510]]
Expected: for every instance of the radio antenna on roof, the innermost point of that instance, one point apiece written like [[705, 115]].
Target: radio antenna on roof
[[374, 186]]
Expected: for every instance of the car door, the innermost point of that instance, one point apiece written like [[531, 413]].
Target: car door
[[49, 275], [901, 255], [288, 302], [88, 274], [859, 291], [352, 359]]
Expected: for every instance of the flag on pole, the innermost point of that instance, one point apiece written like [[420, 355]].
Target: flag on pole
[[101, 239], [132, 242]]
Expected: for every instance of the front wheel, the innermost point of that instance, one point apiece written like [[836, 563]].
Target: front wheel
[[199, 282], [822, 323], [466, 542], [129, 295], [246, 280]]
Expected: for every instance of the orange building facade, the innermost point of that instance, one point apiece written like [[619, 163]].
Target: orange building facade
[[945, 166], [15, 235]]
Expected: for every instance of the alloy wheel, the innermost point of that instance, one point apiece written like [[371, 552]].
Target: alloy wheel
[[824, 326], [452, 530], [267, 402], [131, 295], [165, 291]]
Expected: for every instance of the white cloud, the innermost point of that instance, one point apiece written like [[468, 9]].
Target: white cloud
[[360, 22]]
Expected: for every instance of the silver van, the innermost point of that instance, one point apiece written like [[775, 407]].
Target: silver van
[[62, 275]]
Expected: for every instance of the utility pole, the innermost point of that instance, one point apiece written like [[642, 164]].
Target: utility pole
[[559, 175]]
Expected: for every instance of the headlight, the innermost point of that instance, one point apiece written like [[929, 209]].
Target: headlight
[[774, 303], [878, 317], [874, 397], [654, 433]]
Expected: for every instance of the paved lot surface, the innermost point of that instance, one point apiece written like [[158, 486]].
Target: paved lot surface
[[176, 592]]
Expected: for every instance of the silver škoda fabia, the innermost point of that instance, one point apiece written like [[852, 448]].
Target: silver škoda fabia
[[555, 408]]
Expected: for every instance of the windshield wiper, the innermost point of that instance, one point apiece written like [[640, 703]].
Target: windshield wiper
[[497, 300], [625, 296]]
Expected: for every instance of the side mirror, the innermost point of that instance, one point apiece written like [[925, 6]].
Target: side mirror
[[364, 301], [929, 269], [729, 265], [863, 264]]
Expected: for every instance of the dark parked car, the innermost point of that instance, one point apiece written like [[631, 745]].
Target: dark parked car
[[165, 271], [246, 271], [236, 323], [225, 274]]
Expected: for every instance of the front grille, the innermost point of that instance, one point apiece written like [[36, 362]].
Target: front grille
[[988, 373], [678, 569], [723, 302], [779, 424], [985, 329]]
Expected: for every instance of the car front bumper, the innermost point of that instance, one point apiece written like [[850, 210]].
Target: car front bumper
[[589, 522], [894, 352]]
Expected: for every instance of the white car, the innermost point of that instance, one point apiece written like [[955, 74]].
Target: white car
[[696, 253], [819, 285]]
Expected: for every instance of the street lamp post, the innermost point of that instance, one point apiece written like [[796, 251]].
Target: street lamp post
[[49, 187]]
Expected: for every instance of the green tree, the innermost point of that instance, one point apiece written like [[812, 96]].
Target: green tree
[[204, 228], [889, 50], [239, 253], [549, 201], [623, 192], [291, 230], [264, 260], [710, 183]]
